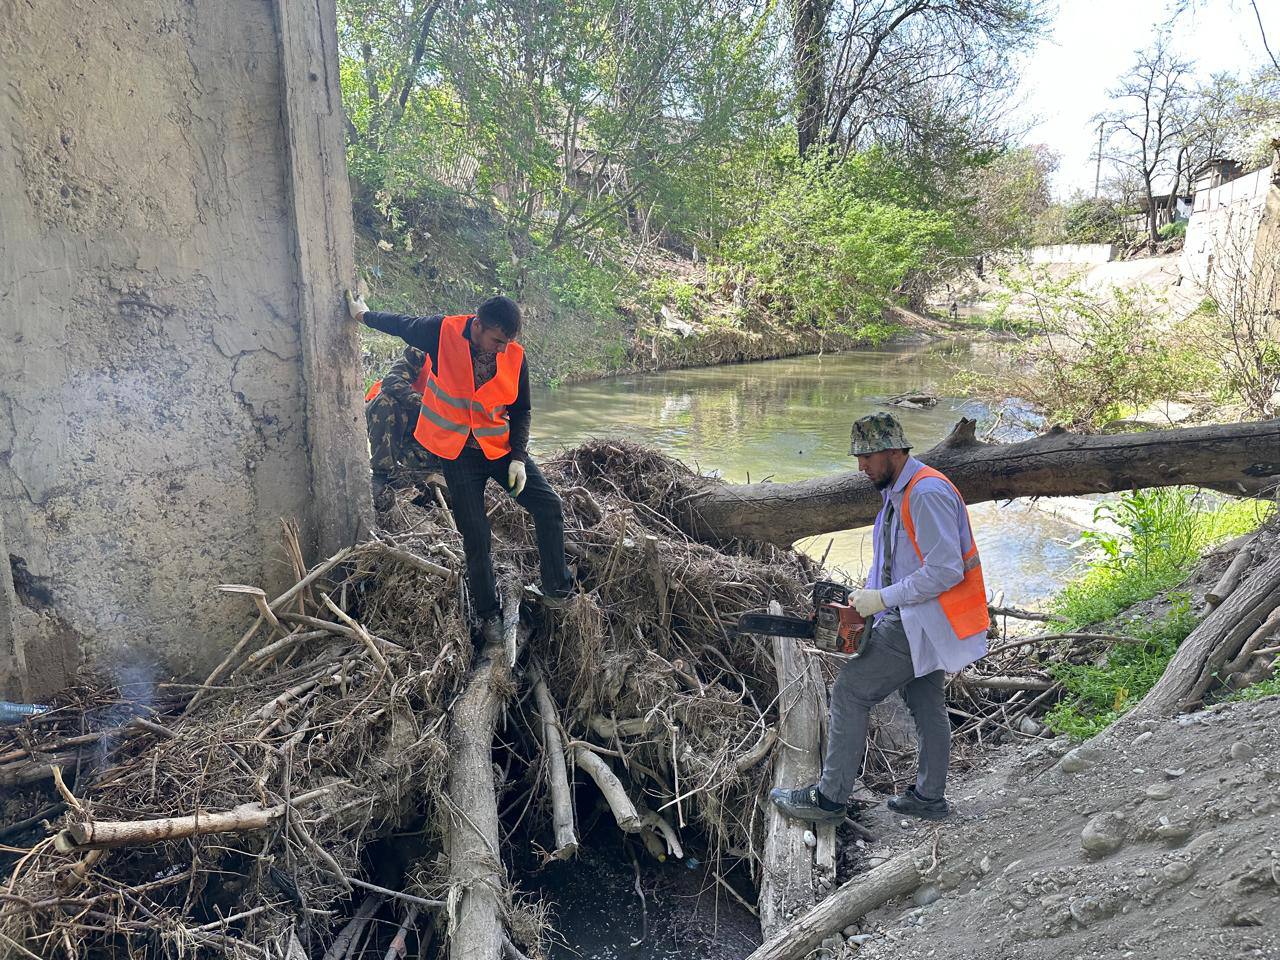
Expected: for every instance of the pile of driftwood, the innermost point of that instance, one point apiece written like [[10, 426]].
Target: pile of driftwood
[[346, 781]]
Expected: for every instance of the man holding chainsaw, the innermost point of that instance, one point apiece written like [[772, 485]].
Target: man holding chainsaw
[[928, 602]]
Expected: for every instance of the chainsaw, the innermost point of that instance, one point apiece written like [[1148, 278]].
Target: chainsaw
[[835, 627]]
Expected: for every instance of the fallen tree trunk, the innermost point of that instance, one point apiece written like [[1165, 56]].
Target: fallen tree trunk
[[1217, 639], [476, 875], [1241, 458], [789, 872], [862, 894]]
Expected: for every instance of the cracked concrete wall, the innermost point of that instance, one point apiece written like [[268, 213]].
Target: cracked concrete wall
[[174, 378]]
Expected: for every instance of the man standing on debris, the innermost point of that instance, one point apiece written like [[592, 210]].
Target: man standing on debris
[[929, 603], [475, 416]]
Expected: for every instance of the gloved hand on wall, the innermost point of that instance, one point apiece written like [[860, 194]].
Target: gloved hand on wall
[[867, 602], [356, 306], [516, 477]]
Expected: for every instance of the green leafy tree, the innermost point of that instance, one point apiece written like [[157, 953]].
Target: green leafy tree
[[837, 240]]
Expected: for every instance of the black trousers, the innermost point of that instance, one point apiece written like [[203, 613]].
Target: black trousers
[[466, 477]]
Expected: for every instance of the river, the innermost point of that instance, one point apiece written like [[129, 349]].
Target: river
[[789, 420]]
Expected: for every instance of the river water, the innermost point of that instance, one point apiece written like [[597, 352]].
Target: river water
[[789, 420]]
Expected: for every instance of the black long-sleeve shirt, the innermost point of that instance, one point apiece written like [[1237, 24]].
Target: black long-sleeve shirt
[[424, 333]]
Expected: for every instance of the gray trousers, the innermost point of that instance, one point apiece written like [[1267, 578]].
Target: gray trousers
[[885, 666]]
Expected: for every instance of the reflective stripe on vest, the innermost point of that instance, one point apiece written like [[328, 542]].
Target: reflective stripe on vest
[[965, 604], [373, 391], [453, 408]]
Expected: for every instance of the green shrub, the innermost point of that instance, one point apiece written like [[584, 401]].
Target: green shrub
[[836, 240], [1094, 220], [1176, 229], [1101, 356], [681, 294], [1161, 533], [1159, 537], [1097, 696]]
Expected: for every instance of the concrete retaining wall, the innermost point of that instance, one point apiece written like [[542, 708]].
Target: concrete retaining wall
[[1073, 253], [178, 373], [1223, 229]]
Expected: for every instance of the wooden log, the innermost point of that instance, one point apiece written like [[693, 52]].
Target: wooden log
[[664, 829], [615, 794], [1215, 641], [259, 597], [1003, 683], [105, 834], [344, 943], [400, 942], [1249, 649], [788, 872], [408, 559], [1242, 458], [894, 878], [1230, 577], [34, 769], [476, 873], [1019, 614], [557, 771], [758, 752]]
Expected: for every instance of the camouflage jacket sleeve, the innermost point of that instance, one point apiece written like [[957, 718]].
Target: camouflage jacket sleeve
[[398, 383]]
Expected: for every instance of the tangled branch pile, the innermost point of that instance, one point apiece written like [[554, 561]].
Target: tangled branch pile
[[298, 803]]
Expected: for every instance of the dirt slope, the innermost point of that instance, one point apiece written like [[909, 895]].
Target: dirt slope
[[1159, 841]]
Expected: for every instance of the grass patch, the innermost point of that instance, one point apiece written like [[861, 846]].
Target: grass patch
[[1267, 688], [1001, 321], [1160, 536], [1098, 695]]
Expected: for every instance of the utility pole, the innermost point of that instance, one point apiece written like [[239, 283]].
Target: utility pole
[[1097, 177]]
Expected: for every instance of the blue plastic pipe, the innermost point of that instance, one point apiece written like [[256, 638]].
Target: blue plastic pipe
[[17, 712]]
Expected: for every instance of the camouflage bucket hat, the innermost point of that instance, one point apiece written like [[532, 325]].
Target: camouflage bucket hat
[[880, 431]]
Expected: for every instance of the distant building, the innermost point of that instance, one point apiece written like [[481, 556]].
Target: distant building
[[1233, 237], [1216, 171], [1168, 208]]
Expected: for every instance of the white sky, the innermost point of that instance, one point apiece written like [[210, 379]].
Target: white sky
[[1092, 44]]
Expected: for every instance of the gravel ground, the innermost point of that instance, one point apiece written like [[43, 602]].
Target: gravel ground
[[1160, 840]]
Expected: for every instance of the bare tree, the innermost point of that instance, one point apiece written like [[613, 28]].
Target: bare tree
[[866, 66], [1149, 120], [1179, 7], [1243, 332]]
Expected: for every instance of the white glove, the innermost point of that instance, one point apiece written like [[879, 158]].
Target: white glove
[[356, 306], [516, 477], [867, 602]]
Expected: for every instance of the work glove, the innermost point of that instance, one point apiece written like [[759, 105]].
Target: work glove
[[356, 306], [516, 477], [867, 602]]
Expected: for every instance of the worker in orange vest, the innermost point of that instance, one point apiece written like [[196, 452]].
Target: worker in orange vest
[[475, 416], [391, 408], [928, 602]]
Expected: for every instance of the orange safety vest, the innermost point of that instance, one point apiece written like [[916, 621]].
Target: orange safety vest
[[452, 407], [965, 604], [419, 383]]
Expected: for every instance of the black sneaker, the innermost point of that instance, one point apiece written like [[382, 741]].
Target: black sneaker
[[552, 601], [807, 803], [914, 805]]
